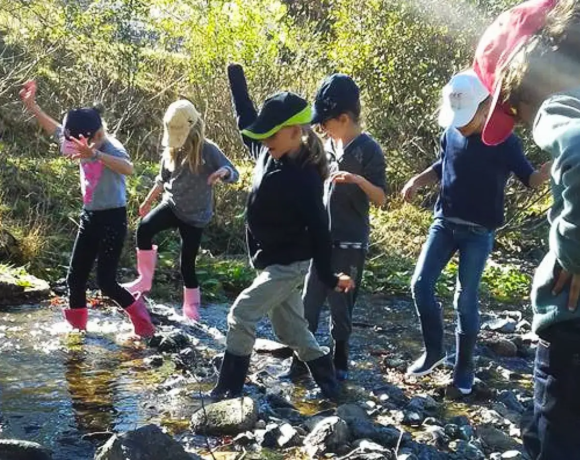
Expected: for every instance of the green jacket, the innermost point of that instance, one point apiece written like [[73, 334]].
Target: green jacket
[[557, 131]]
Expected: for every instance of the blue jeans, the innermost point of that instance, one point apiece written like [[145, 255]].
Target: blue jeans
[[474, 244], [553, 432]]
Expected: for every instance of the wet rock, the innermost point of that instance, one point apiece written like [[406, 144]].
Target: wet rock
[[385, 435], [185, 359], [17, 288], [511, 401], [495, 439], [282, 436], [311, 422], [460, 420], [407, 457], [434, 435], [453, 431], [171, 342], [13, 449], [154, 361], [395, 363], [229, 417], [466, 432], [512, 455], [412, 418], [352, 411], [367, 450], [278, 399], [466, 450], [433, 421], [504, 325], [502, 347], [145, 443], [329, 435], [291, 415], [523, 326], [391, 393], [245, 439]]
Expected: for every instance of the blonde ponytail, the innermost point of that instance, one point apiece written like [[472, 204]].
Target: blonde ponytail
[[314, 152]]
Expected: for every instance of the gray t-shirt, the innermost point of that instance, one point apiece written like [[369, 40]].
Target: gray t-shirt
[[347, 204], [102, 188], [188, 193]]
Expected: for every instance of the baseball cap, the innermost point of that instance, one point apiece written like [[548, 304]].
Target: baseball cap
[[81, 122], [498, 44], [280, 110], [180, 116], [461, 98], [337, 94]]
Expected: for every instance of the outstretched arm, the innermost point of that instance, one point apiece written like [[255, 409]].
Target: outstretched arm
[[246, 113], [28, 96]]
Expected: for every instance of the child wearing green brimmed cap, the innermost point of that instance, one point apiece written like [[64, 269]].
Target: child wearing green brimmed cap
[[286, 227]]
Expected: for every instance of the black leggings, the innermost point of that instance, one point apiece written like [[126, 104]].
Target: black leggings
[[101, 236], [163, 218]]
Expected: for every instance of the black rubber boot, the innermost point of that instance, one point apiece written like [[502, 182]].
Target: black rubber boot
[[322, 370], [464, 370], [434, 355], [232, 376], [341, 359], [298, 370]]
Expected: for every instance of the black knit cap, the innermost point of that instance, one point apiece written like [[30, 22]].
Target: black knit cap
[[85, 122]]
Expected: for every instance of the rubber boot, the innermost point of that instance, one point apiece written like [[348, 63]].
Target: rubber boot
[[191, 303], [77, 317], [146, 261], [434, 355], [341, 360], [233, 372], [464, 370], [139, 316], [298, 370], [322, 370]]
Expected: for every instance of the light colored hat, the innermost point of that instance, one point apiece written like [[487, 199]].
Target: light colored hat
[[180, 116], [461, 98]]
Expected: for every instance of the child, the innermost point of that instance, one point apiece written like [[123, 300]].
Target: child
[[529, 58], [469, 209], [104, 163], [357, 166], [286, 227], [190, 166]]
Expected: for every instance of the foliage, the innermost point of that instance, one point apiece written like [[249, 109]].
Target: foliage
[[136, 56]]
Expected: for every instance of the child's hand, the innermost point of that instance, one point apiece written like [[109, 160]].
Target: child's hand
[[344, 177], [218, 175], [409, 190], [144, 208], [28, 94], [84, 148], [345, 283]]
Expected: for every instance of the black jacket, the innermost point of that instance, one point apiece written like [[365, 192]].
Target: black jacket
[[285, 217]]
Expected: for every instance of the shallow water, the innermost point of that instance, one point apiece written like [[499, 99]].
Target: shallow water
[[69, 391]]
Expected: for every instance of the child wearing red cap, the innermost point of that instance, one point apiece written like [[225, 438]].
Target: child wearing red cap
[[469, 209], [104, 163], [529, 58]]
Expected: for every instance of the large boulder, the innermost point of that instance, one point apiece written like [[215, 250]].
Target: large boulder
[[329, 435], [229, 417], [13, 449], [18, 287], [145, 443]]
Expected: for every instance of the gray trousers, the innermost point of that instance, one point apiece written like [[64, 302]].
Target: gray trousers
[[275, 292], [350, 262]]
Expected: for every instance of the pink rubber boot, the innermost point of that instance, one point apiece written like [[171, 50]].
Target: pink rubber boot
[[146, 261], [139, 316], [77, 317], [191, 302]]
